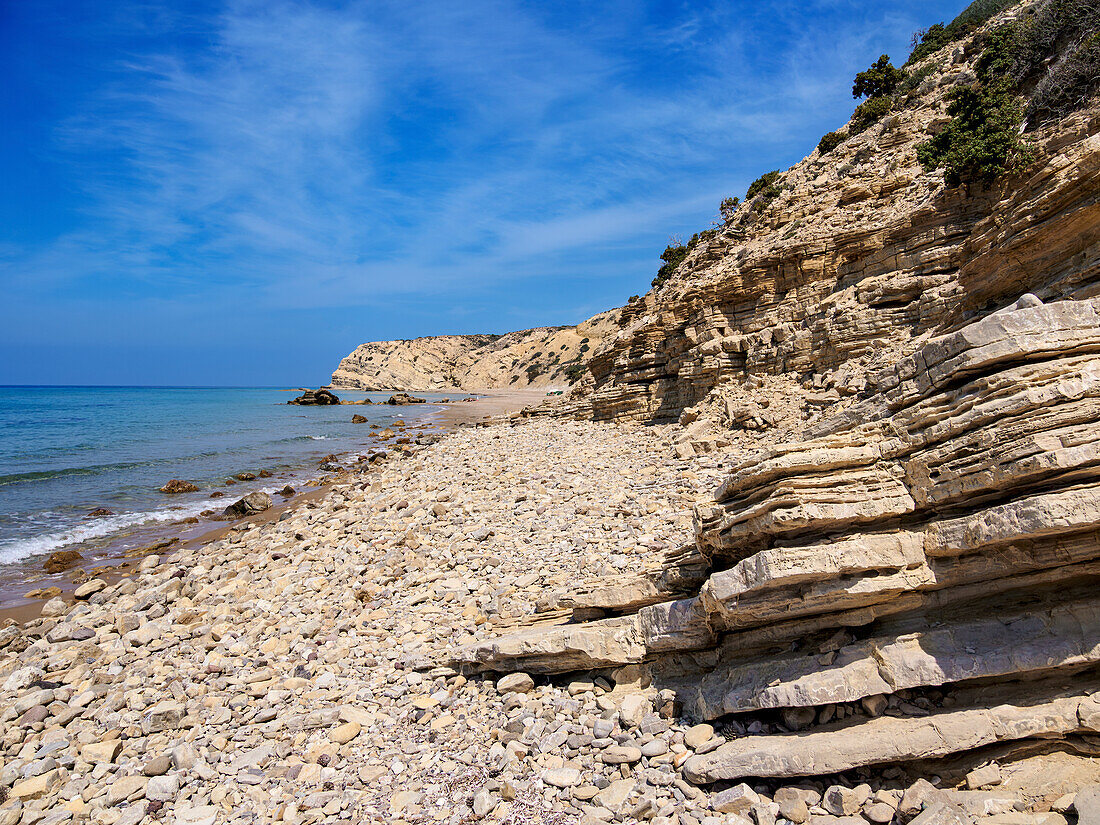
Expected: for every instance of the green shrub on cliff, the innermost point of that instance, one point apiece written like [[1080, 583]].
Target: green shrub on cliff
[[969, 20], [830, 140], [927, 41], [673, 256], [982, 140], [1069, 86], [877, 84], [913, 81], [676, 252], [764, 189], [870, 112], [1056, 47]]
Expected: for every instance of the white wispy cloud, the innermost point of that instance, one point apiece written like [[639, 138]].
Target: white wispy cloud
[[302, 154]]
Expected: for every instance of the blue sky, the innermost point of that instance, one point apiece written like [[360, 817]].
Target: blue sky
[[241, 192]]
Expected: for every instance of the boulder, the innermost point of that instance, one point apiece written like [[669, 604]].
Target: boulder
[[515, 683], [251, 504], [179, 486], [402, 398], [358, 419], [89, 589], [61, 560]]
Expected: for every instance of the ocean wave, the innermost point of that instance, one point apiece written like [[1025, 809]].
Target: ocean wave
[[90, 470], [19, 549], [101, 469], [22, 548]]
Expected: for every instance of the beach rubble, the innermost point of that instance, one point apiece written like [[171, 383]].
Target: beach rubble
[[307, 670]]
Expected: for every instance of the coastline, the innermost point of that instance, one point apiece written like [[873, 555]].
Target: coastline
[[315, 666], [295, 668], [113, 562]]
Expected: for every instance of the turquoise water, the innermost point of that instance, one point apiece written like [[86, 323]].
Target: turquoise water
[[65, 451]]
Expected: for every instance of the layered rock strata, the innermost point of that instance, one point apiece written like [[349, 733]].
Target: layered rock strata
[[940, 533], [860, 258], [540, 357]]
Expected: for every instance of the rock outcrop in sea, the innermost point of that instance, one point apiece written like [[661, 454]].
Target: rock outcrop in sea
[[315, 398]]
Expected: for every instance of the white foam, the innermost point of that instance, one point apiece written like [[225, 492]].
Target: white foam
[[19, 549]]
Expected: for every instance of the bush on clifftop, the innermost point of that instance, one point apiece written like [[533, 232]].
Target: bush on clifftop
[[877, 84], [1055, 46], [676, 252], [969, 20], [880, 80], [673, 256], [764, 189], [870, 112]]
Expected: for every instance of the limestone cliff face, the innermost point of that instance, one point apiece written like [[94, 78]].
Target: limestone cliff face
[[900, 384], [546, 356], [861, 257]]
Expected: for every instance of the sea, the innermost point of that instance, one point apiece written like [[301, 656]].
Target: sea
[[68, 451]]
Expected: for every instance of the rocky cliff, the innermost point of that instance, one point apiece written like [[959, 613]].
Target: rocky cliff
[[860, 257], [900, 382], [546, 356]]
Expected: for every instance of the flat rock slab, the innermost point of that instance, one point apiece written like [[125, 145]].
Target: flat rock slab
[[886, 739]]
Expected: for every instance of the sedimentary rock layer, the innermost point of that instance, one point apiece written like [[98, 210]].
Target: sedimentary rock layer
[[888, 739], [942, 532], [528, 358], [861, 255]]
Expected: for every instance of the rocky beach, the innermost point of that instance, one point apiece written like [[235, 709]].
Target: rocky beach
[[308, 669], [290, 671], [94, 550], [805, 534]]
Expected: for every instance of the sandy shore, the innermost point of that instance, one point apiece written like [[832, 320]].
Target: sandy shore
[[490, 404]]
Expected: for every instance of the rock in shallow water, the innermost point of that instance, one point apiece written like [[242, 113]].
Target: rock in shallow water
[[176, 486], [251, 504], [310, 398]]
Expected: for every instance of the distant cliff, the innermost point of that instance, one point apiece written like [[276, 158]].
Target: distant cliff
[[545, 356]]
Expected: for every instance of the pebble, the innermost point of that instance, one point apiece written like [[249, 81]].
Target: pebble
[[516, 683], [621, 754], [157, 766], [561, 777], [342, 734], [697, 735]]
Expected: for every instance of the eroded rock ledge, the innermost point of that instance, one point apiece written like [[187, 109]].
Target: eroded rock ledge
[[941, 534]]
